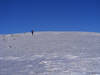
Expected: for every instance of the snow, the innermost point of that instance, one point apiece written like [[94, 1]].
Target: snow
[[50, 53]]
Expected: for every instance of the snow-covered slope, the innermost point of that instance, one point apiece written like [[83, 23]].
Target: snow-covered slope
[[50, 53]]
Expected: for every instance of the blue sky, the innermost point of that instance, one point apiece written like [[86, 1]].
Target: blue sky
[[17, 16]]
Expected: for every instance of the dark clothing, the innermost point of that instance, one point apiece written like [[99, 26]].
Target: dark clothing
[[32, 32]]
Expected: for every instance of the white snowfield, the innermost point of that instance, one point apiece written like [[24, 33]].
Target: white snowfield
[[50, 53]]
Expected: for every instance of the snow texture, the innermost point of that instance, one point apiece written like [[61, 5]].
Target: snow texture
[[50, 53]]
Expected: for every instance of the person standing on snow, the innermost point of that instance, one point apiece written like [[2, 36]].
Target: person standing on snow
[[32, 32]]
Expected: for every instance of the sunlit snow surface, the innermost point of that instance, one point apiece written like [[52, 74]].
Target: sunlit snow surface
[[50, 53]]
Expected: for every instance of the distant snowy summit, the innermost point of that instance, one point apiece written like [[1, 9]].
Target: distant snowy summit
[[49, 32]]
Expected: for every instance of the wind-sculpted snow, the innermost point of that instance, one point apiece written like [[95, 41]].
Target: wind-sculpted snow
[[50, 53]]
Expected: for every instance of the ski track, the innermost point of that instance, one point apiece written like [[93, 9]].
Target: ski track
[[50, 53]]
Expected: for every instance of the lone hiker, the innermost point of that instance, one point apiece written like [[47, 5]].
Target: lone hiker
[[32, 32]]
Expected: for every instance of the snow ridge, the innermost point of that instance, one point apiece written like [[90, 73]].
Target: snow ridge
[[50, 53]]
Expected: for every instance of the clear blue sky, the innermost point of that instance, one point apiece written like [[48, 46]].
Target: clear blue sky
[[49, 15]]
